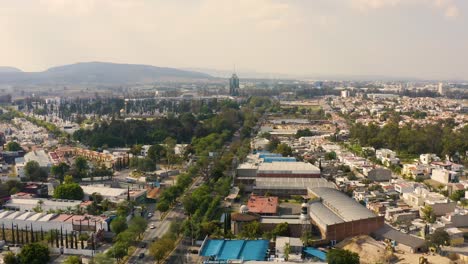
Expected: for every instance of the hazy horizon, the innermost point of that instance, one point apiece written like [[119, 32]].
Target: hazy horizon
[[425, 39]]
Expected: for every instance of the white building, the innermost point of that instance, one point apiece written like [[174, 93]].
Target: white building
[[113, 194], [421, 197], [387, 157], [28, 205], [443, 175], [427, 158], [48, 222]]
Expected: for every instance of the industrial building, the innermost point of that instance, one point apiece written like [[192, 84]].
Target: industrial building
[[48, 222], [29, 205], [337, 216], [114, 194], [288, 169], [285, 187]]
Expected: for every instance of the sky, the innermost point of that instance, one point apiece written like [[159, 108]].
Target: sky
[[396, 38]]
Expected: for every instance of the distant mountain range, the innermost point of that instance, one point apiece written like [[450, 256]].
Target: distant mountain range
[[9, 69], [97, 73]]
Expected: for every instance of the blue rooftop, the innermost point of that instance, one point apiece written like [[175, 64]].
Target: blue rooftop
[[279, 159], [235, 249], [269, 155], [316, 253]]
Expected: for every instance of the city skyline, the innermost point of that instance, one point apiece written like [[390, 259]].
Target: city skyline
[[423, 39]]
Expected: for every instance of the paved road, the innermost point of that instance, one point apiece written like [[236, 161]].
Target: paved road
[[161, 228]]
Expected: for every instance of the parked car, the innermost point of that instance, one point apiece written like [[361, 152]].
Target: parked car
[[142, 255]]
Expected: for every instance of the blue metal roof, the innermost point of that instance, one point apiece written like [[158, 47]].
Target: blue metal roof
[[316, 253], [235, 249]]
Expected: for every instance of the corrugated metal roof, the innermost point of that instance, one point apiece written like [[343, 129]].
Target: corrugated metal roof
[[322, 215], [291, 182], [342, 205]]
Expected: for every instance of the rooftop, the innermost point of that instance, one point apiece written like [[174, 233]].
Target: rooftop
[[291, 183], [263, 205], [341, 205], [288, 167], [235, 249]]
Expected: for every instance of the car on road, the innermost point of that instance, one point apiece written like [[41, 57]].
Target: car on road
[[152, 226], [150, 215], [141, 255], [142, 245]]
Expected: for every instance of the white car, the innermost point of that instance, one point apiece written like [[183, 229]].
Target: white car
[[150, 215], [152, 226]]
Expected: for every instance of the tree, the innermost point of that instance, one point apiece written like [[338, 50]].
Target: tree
[[118, 225], [72, 260], [81, 166], [439, 238], [251, 230], [163, 206], [10, 258], [305, 237], [138, 225], [60, 170], [124, 208], [274, 142], [156, 152], [70, 191], [170, 144], [464, 203], [281, 230], [34, 253], [457, 195], [284, 150], [342, 256], [68, 179], [34, 172], [330, 155], [13, 146], [118, 251], [287, 251], [428, 214], [161, 248], [303, 133]]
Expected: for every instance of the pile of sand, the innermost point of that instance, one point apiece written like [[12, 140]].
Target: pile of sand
[[369, 250]]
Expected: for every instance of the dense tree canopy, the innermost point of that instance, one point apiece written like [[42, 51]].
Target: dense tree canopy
[[118, 225], [60, 170], [34, 253], [70, 191], [303, 133], [342, 256], [13, 146], [440, 138], [439, 238], [34, 172]]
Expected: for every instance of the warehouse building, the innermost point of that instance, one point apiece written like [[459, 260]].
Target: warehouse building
[[285, 187], [288, 169], [31, 204], [48, 222], [337, 216], [114, 194]]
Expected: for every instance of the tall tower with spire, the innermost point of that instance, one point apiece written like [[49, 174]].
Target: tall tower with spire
[[234, 85]]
